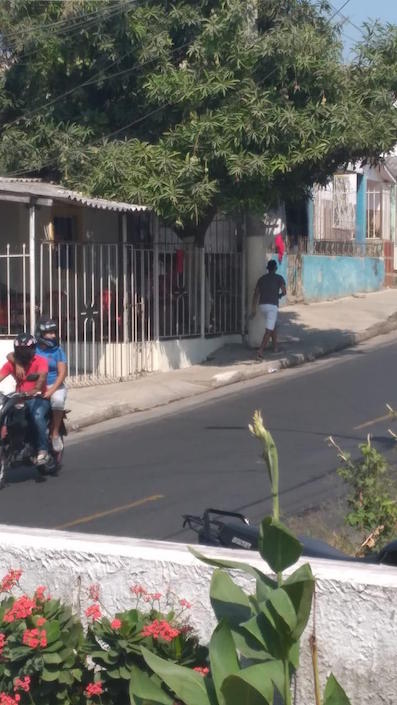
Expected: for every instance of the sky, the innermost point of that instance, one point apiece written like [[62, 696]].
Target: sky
[[358, 11]]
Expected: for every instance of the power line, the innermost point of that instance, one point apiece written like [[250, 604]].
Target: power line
[[87, 24], [82, 19], [338, 11]]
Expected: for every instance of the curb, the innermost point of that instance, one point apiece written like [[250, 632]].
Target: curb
[[224, 379]]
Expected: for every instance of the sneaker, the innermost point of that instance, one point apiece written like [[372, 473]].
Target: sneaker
[[57, 444], [42, 457]]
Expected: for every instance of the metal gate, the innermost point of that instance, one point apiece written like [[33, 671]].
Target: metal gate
[[101, 295]]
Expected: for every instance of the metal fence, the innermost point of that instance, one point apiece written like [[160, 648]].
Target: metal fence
[[14, 291], [113, 300], [101, 296]]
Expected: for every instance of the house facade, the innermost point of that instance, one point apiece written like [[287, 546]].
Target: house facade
[[130, 296]]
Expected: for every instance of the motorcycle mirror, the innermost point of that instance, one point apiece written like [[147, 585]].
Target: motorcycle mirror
[[32, 378]]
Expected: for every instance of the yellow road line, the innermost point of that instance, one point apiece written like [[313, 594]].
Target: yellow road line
[[108, 512], [371, 423]]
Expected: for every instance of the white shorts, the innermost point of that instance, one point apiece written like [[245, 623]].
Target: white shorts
[[58, 399], [270, 313]]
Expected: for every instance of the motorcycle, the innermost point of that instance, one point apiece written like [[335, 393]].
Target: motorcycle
[[217, 527], [14, 441]]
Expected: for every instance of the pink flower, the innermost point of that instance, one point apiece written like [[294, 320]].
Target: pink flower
[[94, 592], [10, 580], [22, 608], [203, 670], [116, 623], [184, 603], [35, 638], [93, 689], [6, 699], [138, 590], [41, 621], [39, 593], [160, 630], [93, 612], [22, 684]]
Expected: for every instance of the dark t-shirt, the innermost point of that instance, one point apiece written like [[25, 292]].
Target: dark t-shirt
[[269, 288]]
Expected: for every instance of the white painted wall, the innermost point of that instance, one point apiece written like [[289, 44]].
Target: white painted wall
[[260, 243], [6, 346], [184, 352], [356, 603]]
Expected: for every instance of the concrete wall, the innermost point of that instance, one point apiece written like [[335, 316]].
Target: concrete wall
[[176, 354], [356, 613], [332, 277]]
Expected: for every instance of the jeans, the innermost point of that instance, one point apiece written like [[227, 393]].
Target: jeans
[[38, 411]]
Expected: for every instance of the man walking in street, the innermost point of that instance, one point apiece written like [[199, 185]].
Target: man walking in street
[[270, 288]]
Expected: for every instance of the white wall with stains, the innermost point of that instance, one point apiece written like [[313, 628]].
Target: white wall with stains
[[356, 606]]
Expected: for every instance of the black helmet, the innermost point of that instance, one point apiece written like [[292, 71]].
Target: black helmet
[[47, 325], [24, 347]]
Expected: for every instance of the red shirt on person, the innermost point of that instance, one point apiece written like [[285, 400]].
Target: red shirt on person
[[38, 366]]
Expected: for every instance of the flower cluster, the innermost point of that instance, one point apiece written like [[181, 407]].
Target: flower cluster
[[115, 623], [94, 592], [22, 684], [40, 595], [10, 580], [2, 642], [138, 590], [22, 608], [6, 699], [93, 689], [35, 638], [185, 604], [203, 670], [93, 612], [160, 630]]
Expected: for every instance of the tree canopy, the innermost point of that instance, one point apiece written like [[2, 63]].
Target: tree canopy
[[190, 106]]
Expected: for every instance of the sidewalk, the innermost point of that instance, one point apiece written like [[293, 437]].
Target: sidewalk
[[307, 331]]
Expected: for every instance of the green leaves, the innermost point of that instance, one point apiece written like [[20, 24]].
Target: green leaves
[[190, 107], [188, 685], [334, 693], [277, 545]]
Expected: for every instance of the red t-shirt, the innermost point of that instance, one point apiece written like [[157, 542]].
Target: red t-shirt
[[37, 366]]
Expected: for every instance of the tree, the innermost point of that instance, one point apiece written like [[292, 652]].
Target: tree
[[190, 106]]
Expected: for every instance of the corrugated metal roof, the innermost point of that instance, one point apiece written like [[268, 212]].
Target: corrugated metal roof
[[36, 188]]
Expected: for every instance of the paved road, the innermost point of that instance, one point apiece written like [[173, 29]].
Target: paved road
[[136, 477]]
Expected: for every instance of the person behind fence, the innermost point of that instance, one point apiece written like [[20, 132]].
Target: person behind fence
[[270, 288], [38, 408]]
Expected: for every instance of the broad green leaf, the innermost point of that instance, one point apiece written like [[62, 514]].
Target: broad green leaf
[[262, 628], [334, 693], [187, 685], [228, 600], [144, 691], [52, 630], [283, 610], [300, 587], [223, 657], [234, 565], [277, 545], [252, 686], [52, 658], [48, 675]]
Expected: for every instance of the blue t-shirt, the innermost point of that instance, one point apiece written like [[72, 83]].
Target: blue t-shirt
[[53, 356]]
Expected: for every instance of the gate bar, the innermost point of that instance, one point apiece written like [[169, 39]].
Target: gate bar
[[32, 261]]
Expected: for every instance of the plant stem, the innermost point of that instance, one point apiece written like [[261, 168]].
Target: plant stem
[[313, 648], [287, 686], [317, 690]]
